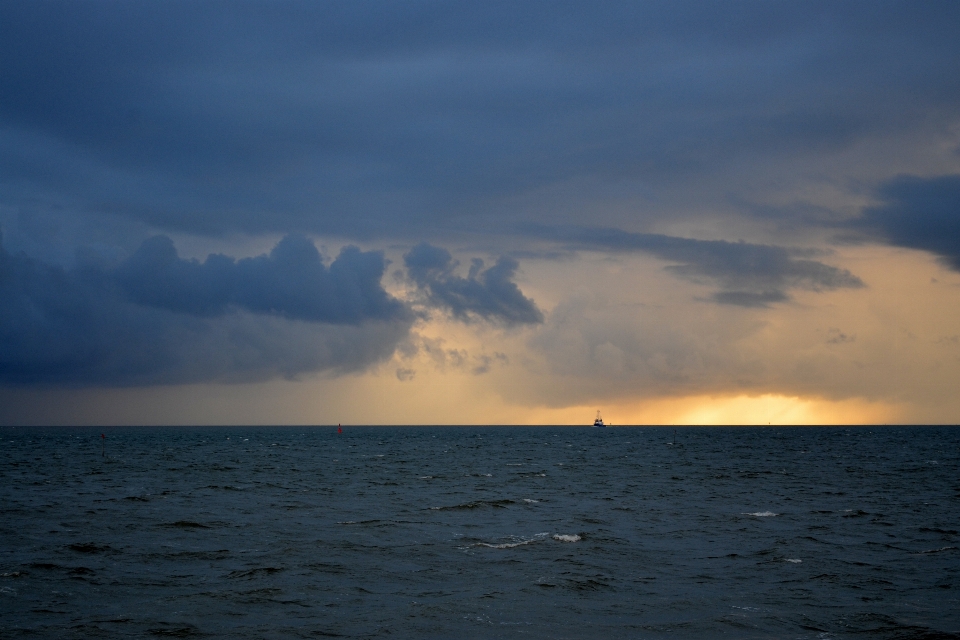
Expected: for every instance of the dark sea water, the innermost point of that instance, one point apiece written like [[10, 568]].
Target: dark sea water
[[480, 533]]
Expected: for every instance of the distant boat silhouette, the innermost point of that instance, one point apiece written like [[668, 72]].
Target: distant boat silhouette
[[598, 421]]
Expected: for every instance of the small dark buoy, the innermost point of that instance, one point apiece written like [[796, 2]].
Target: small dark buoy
[[103, 445]]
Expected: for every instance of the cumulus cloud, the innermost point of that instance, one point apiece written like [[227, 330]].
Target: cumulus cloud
[[292, 281], [919, 213], [487, 293], [158, 319], [749, 275]]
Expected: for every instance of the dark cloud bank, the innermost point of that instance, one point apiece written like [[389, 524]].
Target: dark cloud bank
[[366, 119], [749, 275], [156, 318], [291, 282], [489, 293], [919, 213]]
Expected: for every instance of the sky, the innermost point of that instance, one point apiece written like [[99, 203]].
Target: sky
[[479, 213]]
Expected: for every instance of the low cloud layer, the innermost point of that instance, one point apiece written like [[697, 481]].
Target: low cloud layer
[[748, 275], [919, 213], [488, 293], [158, 319]]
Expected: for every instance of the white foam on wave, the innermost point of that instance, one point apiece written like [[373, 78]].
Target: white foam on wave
[[530, 501], [504, 545], [762, 514], [794, 560], [935, 550], [515, 542], [567, 538]]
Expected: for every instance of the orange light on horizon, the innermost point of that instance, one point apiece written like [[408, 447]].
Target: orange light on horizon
[[772, 409]]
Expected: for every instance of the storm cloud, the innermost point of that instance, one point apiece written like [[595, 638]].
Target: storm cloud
[[749, 275], [372, 119], [919, 213], [487, 293], [292, 282], [158, 319]]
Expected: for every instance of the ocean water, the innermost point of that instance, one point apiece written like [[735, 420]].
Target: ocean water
[[458, 532]]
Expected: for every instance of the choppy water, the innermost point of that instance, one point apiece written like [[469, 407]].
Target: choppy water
[[480, 533]]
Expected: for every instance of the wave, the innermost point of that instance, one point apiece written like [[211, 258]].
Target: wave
[[89, 547], [256, 572], [951, 532], [171, 631], [762, 514], [567, 537], [476, 504], [504, 545], [514, 541], [186, 524], [374, 522]]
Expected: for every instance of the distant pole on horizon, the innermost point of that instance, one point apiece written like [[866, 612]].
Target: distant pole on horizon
[[103, 445]]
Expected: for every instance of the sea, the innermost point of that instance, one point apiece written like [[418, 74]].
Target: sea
[[480, 532]]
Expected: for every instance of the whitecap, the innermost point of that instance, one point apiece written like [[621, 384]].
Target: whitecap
[[762, 514], [567, 538], [530, 501], [935, 550], [514, 542], [504, 545], [794, 560]]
